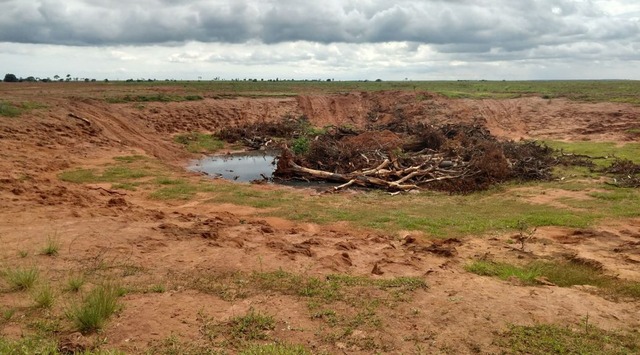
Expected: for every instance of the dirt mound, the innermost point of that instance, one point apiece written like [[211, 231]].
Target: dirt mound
[[526, 117]]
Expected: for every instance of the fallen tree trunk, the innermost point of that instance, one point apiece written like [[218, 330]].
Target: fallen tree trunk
[[286, 166]]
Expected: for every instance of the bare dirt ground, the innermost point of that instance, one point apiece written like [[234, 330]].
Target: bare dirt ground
[[147, 242]]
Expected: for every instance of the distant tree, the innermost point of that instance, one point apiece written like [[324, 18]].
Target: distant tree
[[378, 80], [10, 78], [56, 77]]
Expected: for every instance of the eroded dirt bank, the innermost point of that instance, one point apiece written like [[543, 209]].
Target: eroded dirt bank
[[186, 245]]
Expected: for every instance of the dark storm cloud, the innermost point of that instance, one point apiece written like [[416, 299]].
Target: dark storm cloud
[[452, 26]]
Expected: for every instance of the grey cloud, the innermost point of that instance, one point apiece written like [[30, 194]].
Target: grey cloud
[[498, 22]]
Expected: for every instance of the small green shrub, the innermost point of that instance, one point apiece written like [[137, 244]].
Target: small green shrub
[[300, 145], [96, 308]]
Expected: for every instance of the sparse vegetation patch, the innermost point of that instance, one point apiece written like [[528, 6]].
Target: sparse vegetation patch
[[554, 339], [96, 308]]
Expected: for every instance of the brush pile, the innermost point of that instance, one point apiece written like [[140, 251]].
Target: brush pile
[[454, 158]]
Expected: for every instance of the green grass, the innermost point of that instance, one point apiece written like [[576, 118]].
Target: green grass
[[9, 110], [28, 345], [52, 247], [44, 297], [181, 191], [251, 326], [129, 186], [173, 345], [275, 349], [624, 91], [436, 214], [6, 315], [21, 278], [555, 339], [629, 151], [130, 159], [196, 142], [75, 283], [158, 288], [563, 274], [96, 308], [329, 289], [111, 174]]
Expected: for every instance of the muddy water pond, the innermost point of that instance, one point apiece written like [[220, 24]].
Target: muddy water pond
[[244, 166], [250, 166]]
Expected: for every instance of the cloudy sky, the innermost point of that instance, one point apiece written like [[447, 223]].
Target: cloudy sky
[[344, 40]]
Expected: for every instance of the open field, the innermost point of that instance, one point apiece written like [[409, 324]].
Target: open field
[[110, 246]]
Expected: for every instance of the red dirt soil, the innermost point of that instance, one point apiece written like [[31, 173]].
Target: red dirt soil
[[459, 312]]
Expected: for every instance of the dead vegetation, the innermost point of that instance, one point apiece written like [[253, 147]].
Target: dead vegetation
[[403, 155], [398, 156]]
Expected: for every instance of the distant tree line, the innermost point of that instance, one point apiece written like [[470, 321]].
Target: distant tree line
[[12, 78]]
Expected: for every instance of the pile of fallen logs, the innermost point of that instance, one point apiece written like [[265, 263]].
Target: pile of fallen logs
[[405, 155], [388, 175], [457, 159]]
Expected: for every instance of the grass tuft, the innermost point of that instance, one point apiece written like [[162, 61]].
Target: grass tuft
[[252, 326], [52, 247], [158, 288], [21, 279], [96, 308], [44, 297], [74, 284]]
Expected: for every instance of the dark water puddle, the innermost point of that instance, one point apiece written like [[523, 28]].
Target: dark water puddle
[[244, 166], [250, 166]]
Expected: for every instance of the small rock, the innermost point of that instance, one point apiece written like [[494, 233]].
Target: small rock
[[377, 270]]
